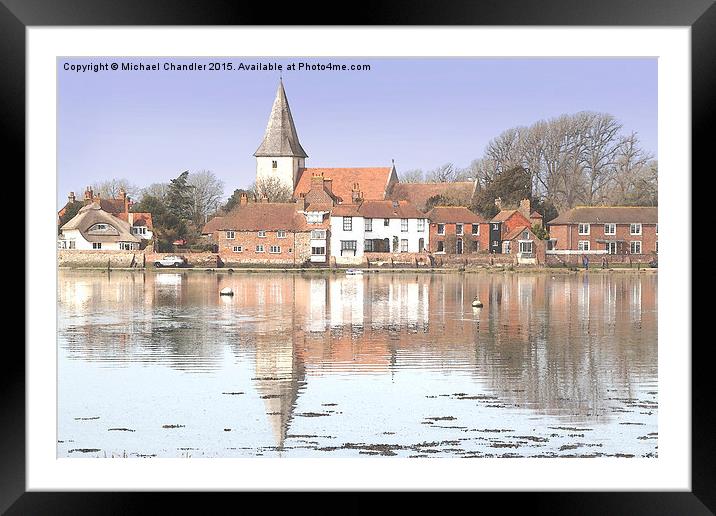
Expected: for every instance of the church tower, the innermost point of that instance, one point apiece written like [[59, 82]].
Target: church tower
[[280, 154]]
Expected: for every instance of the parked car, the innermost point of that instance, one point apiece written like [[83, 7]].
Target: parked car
[[170, 261]]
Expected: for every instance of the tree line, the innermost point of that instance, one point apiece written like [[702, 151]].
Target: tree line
[[583, 158]]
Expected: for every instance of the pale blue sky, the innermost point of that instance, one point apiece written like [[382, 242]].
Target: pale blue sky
[[149, 126]]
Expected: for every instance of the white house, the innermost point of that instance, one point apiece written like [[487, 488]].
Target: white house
[[94, 228], [377, 227]]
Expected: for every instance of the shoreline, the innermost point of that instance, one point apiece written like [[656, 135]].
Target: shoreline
[[364, 270]]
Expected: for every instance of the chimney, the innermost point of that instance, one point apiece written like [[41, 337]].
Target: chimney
[[498, 203], [71, 198], [264, 198], [125, 200], [524, 208], [89, 194], [243, 199], [301, 203], [356, 196], [317, 181]]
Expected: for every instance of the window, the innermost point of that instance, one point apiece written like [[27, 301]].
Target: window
[[259, 248], [458, 229], [404, 245], [262, 234], [126, 246], [230, 235], [610, 229], [551, 244], [611, 248], [71, 244], [583, 245], [386, 222], [139, 230], [96, 245], [506, 247], [655, 248], [347, 223], [275, 249], [657, 229], [368, 246], [441, 246], [421, 225], [238, 248], [635, 247], [61, 244], [403, 225], [369, 224], [280, 233], [441, 229], [348, 247], [635, 229], [318, 234], [318, 251], [525, 235], [98, 227], [583, 229], [274, 164], [458, 246], [526, 247], [476, 229]]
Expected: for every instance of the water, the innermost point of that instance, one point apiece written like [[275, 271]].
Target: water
[[312, 365]]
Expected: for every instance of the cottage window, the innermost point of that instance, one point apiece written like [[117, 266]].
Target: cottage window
[[635, 247], [441, 229], [275, 249], [348, 247], [96, 245], [403, 225], [314, 217], [262, 234], [551, 244], [318, 251], [458, 229], [458, 246], [238, 248], [421, 225], [476, 229], [259, 248], [525, 235], [441, 246], [318, 234], [71, 244], [230, 235], [404, 245], [583, 245], [386, 222], [610, 229], [368, 246], [274, 164], [126, 246], [583, 229], [526, 247], [347, 223], [507, 246], [368, 225], [280, 234], [635, 229], [611, 248]]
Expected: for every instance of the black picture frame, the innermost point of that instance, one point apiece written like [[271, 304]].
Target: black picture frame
[[17, 15]]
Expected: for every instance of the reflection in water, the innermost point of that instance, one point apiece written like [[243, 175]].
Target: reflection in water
[[346, 358]]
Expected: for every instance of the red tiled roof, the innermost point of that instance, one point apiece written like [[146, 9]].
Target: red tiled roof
[[269, 216], [345, 210], [390, 210], [112, 205], [212, 226], [516, 232], [419, 193], [449, 214], [535, 215], [608, 214], [372, 182]]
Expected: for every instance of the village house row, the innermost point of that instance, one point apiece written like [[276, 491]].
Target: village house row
[[354, 216]]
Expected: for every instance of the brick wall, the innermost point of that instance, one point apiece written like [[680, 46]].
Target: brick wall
[[450, 237], [99, 258], [595, 260], [295, 248], [568, 237]]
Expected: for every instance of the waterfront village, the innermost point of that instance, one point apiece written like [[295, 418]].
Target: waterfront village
[[359, 218]]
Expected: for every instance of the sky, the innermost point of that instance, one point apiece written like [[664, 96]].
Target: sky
[[149, 126]]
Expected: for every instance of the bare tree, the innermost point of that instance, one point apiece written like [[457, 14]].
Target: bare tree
[[272, 188], [412, 176], [157, 190], [446, 173], [206, 193], [112, 188]]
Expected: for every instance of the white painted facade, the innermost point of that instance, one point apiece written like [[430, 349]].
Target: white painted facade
[[408, 240], [285, 168], [73, 239]]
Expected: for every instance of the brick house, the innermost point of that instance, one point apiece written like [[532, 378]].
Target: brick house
[[270, 233], [456, 230], [525, 245], [616, 230]]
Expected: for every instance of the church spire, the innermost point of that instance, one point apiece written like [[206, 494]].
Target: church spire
[[280, 138]]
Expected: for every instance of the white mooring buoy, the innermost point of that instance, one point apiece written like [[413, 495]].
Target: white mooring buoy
[[226, 292], [476, 303]]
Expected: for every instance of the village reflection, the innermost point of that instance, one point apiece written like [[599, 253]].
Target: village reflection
[[558, 344]]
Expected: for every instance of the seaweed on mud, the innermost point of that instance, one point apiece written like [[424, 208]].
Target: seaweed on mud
[[173, 426], [120, 430]]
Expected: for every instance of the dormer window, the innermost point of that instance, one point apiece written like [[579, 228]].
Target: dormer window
[[99, 227], [274, 164]]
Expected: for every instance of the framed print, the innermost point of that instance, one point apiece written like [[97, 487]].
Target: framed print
[[308, 256]]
